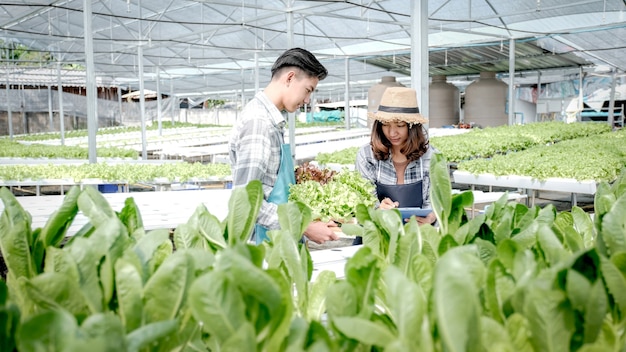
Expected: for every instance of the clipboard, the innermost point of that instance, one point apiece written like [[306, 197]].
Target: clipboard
[[408, 212]]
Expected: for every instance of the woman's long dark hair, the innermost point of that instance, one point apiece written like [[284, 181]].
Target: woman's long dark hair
[[415, 146]]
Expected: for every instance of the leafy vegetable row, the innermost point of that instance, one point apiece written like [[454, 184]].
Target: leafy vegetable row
[[491, 141], [342, 157], [103, 131], [581, 151], [12, 149], [123, 172], [511, 279], [599, 157], [485, 143]]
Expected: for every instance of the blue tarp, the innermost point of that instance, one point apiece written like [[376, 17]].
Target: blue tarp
[[325, 116]]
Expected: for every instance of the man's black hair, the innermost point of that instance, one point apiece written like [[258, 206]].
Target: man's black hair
[[302, 59]]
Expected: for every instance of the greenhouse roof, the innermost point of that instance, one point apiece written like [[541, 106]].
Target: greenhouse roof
[[213, 47]]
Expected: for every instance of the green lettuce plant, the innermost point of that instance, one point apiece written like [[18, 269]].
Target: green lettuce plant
[[511, 279]]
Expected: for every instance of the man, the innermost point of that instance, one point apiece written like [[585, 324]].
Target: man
[[257, 147]]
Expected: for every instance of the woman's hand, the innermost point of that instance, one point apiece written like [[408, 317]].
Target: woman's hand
[[428, 219], [388, 204]]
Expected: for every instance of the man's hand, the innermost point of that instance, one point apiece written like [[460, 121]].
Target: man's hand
[[428, 219], [320, 232]]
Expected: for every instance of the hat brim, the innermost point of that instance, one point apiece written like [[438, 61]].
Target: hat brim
[[391, 117]]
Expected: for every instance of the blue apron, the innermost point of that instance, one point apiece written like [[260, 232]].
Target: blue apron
[[280, 192], [407, 195]]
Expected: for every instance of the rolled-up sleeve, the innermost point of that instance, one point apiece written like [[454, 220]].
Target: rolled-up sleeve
[[426, 180], [366, 164], [252, 153]]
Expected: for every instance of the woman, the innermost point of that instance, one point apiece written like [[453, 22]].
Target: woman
[[397, 159]]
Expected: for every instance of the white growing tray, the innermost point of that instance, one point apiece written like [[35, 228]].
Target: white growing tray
[[526, 182]]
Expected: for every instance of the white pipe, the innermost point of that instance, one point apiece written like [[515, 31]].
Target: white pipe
[[142, 96], [142, 105], [538, 94], [9, 112], [511, 81], [347, 96], [158, 90], [291, 117], [50, 120], [92, 112], [419, 53], [119, 102], [243, 88], [580, 94], [611, 118], [173, 101], [256, 73], [61, 113], [23, 110]]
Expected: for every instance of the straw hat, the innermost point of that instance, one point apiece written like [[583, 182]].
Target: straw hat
[[398, 104]]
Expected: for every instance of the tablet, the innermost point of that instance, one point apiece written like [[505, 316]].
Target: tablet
[[407, 212]]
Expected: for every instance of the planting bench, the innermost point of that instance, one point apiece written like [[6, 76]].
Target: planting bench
[[528, 184]]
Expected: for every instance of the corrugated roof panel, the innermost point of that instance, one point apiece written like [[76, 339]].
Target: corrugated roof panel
[[225, 35], [49, 77]]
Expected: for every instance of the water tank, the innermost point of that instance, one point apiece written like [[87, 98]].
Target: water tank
[[485, 101], [443, 103], [376, 92]]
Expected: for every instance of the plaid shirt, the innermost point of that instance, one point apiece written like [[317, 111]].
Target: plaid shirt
[[384, 172], [255, 151]]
